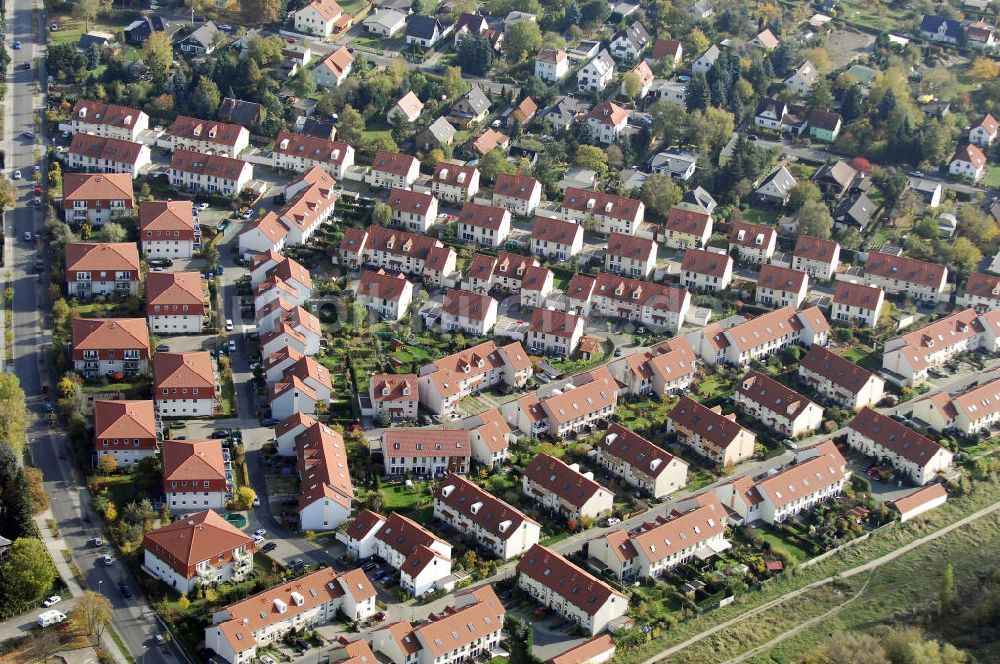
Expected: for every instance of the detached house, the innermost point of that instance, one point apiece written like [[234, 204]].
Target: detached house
[[556, 239], [395, 395], [472, 107], [472, 313], [781, 287], [857, 303], [753, 242], [941, 30], [629, 43], [167, 229], [984, 132], [607, 120], [612, 214], [888, 441], [765, 40], [201, 550], [110, 347], [321, 18], [563, 489], [385, 296], [567, 589], [384, 22], [391, 169], [125, 430], [771, 114], [969, 162], [840, 379], [551, 65], [101, 268], [641, 463], [184, 384], [899, 275], [706, 270], [825, 125], [96, 199], [483, 224], [803, 78], [175, 302], [455, 183], [413, 210], [630, 256], [424, 31], [491, 437], [670, 49], [596, 74], [518, 193], [208, 137], [710, 434], [816, 257], [408, 108], [496, 526], [195, 475], [704, 62], [777, 407], [334, 69]]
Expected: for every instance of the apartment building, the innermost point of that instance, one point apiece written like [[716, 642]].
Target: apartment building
[[686, 228], [210, 173], [816, 257], [777, 407], [570, 591], [762, 336], [706, 270], [326, 492], [973, 411], [498, 528], [518, 193], [104, 154], [711, 434], [890, 442], [100, 119], [110, 347], [184, 384], [552, 332], [167, 229], [908, 358], [630, 256], [640, 462], [398, 250], [900, 275], [666, 368], [396, 395], [839, 379], [96, 199], [125, 431], [102, 268], [442, 384], [175, 302], [202, 549], [196, 475], [609, 213], [301, 152], [426, 452], [564, 490]]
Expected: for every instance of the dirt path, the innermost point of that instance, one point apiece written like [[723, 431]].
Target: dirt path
[[854, 571]]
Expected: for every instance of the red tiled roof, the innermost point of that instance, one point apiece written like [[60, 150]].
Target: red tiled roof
[[201, 537], [857, 295], [102, 257], [206, 130], [573, 584], [703, 261]]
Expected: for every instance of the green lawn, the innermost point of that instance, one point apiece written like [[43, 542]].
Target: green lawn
[[70, 29], [104, 310], [414, 502], [760, 215], [861, 354], [877, 16], [992, 178], [775, 539]]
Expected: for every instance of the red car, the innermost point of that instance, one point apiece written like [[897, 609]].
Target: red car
[[540, 611], [379, 617], [38, 190], [291, 40]]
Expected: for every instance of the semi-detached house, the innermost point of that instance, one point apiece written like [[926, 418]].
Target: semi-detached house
[[196, 476], [483, 224], [96, 198], [399, 251], [175, 302], [694, 530], [641, 302], [101, 268], [201, 549], [640, 462], [552, 332], [472, 313], [426, 452], [326, 492], [286, 277], [777, 407], [167, 229], [395, 395], [816, 257], [536, 286], [893, 443], [588, 399], [612, 214], [687, 228], [184, 384], [125, 430], [907, 359], [413, 210], [392, 169], [972, 411], [564, 490], [518, 193], [490, 436], [455, 183], [982, 292], [753, 242], [857, 303], [630, 256], [666, 368], [839, 379], [385, 296], [113, 347], [570, 591], [238, 630], [899, 275], [498, 528], [781, 287], [556, 239], [709, 433], [706, 270], [104, 154]]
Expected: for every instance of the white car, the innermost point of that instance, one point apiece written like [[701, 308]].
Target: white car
[[264, 659], [203, 206], [260, 532], [52, 601], [107, 560], [16, 175], [27, 236], [232, 346], [229, 325], [256, 502], [257, 539], [614, 521]]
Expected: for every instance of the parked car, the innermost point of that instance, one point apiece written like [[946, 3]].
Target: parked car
[[16, 175], [52, 601], [369, 566], [162, 348], [229, 325], [97, 542], [260, 532], [270, 546], [126, 593], [107, 560], [256, 502]]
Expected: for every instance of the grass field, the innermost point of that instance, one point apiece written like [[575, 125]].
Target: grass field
[[877, 16], [992, 178], [761, 215], [775, 539], [413, 502]]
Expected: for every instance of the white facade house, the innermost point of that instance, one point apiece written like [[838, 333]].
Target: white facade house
[[483, 224], [900, 275], [596, 74], [472, 313], [840, 380], [212, 174], [857, 303], [413, 210], [551, 64], [385, 296], [564, 489], [556, 239], [896, 444], [518, 193], [641, 463], [319, 18], [105, 154], [184, 384], [100, 119], [706, 270], [968, 162], [776, 406]]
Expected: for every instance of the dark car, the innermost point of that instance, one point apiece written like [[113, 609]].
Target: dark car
[[270, 546], [125, 590], [269, 422], [367, 567], [220, 433], [162, 348]]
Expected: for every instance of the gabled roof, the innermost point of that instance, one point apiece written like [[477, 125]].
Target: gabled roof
[[443, 131], [643, 455], [563, 480], [393, 162], [825, 120], [410, 202], [989, 124], [382, 285], [110, 334], [174, 288], [688, 222], [971, 154], [410, 105], [983, 285], [99, 113], [483, 216], [166, 216], [708, 423], [703, 261], [905, 269], [467, 304], [772, 395], [631, 246], [932, 23], [557, 323], [603, 204], [124, 420], [642, 293], [781, 278], [805, 477], [705, 521], [423, 27], [394, 387], [311, 147], [97, 187], [857, 295], [894, 436], [816, 249], [480, 506], [102, 257], [520, 187], [753, 236], [106, 148], [213, 165], [581, 589], [183, 370], [556, 230], [666, 48], [206, 130]]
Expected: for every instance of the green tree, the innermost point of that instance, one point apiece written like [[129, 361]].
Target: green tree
[[259, 12], [815, 220], [820, 97], [631, 85], [936, 144], [660, 194], [802, 193], [111, 232], [978, 226], [711, 129], [947, 593], [521, 40], [494, 163], [87, 11], [304, 83], [8, 195], [475, 55], [381, 214], [351, 126], [453, 84], [206, 98], [965, 255], [158, 54], [26, 573], [265, 50], [592, 157]]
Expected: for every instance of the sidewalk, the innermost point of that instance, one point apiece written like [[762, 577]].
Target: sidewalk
[[55, 546]]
